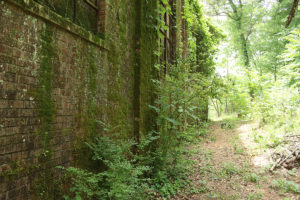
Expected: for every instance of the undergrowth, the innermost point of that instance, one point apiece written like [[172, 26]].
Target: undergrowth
[[286, 186], [146, 175]]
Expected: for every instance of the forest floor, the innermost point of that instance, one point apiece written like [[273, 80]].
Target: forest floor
[[226, 167]]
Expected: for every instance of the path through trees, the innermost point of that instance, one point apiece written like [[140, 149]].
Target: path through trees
[[226, 169]]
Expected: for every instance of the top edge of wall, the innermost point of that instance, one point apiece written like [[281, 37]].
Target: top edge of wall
[[48, 15]]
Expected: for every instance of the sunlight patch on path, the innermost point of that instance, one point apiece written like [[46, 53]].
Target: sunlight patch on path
[[260, 158]]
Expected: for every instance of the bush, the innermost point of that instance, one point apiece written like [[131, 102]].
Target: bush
[[121, 179]]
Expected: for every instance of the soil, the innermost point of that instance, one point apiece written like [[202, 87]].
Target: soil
[[227, 167]]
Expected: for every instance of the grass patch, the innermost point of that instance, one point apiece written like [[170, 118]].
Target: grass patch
[[255, 196], [201, 188], [227, 124], [286, 186], [229, 169], [252, 177], [267, 138], [213, 138], [221, 196], [238, 150]]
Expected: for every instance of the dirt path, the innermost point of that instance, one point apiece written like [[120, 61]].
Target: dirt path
[[224, 169]]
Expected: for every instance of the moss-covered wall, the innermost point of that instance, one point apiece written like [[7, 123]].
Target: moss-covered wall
[[119, 36], [131, 38], [57, 80], [53, 86], [148, 72]]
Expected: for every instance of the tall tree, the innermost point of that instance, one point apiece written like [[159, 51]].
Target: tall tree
[[267, 40], [242, 17]]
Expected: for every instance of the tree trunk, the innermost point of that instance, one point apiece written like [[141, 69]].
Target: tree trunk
[[226, 105], [292, 13], [245, 50], [173, 33], [275, 73], [215, 104]]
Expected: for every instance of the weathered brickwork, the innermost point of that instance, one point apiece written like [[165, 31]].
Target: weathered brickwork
[[21, 58], [101, 15], [56, 78]]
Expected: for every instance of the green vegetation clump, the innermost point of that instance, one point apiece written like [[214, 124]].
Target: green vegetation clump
[[124, 175], [252, 177], [121, 178], [227, 124], [229, 169], [254, 196], [286, 186]]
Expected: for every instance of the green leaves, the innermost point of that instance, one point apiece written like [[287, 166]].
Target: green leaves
[[119, 179], [286, 186], [291, 58], [174, 122]]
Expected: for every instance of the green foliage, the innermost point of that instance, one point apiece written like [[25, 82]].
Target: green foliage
[[253, 28], [266, 89], [291, 59], [238, 150], [252, 177], [255, 196], [278, 111], [175, 109], [128, 176], [229, 169], [227, 125], [286, 186], [269, 34], [201, 188], [84, 184], [203, 39], [47, 186], [120, 179]]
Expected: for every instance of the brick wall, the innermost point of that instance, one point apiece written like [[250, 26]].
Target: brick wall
[[21, 60], [101, 15], [50, 66]]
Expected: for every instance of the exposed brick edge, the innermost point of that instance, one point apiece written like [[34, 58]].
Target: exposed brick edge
[[101, 15], [46, 14]]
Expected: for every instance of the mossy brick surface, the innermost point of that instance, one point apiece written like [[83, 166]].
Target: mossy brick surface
[[48, 76], [57, 80]]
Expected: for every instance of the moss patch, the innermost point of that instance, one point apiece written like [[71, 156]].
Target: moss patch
[[46, 104], [44, 186]]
